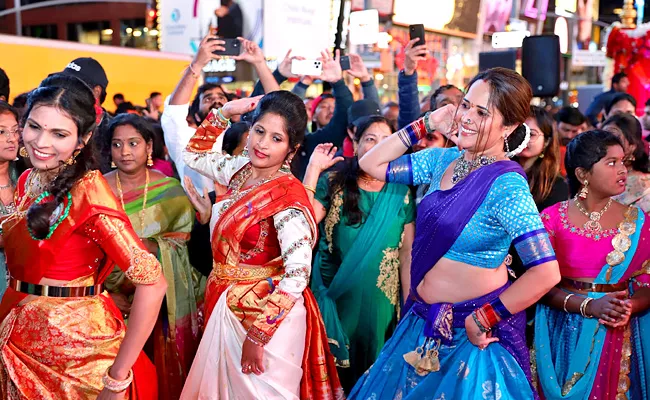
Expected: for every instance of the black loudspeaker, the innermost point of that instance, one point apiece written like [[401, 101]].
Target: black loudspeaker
[[540, 64], [493, 59]]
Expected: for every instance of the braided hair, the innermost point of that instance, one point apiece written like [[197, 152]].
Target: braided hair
[[74, 98]]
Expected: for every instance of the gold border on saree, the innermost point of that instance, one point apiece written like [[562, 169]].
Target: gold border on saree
[[242, 273]]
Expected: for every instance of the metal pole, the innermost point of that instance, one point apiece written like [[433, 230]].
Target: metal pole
[[19, 19]]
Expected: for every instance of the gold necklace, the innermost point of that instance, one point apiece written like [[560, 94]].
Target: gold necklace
[[593, 224], [118, 183]]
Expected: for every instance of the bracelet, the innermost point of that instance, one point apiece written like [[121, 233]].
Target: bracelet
[[566, 300], [427, 125], [479, 324], [114, 385], [489, 314], [583, 307], [221, 117], [255, 342], [310, 188], [194, 74], [406, 141], [500, 309]]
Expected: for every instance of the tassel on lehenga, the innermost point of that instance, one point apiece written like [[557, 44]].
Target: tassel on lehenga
[[425, 359]]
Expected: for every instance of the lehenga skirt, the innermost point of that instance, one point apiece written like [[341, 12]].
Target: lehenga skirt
[[217, 372], [501, 371]]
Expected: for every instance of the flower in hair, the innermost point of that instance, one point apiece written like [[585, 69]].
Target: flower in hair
[[523, 144]]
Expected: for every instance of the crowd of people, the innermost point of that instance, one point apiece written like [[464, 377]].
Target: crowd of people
[[276, 246]]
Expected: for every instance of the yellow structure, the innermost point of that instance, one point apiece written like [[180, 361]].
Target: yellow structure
[[135, 73]]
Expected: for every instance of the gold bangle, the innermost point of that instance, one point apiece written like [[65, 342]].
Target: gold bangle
[[310, 188], [583, 307], [566, 300], [194, 74], [114, 385]]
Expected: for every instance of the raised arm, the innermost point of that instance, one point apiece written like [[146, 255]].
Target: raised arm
[[407, 83], [253, 55], [358, 70], [378, 161], [203, 152]]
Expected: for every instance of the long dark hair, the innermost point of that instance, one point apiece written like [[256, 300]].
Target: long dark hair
[[72, 96], [346, 178], [631, 129], [546, 169], [511, 94], [232, 137], [584, 151]]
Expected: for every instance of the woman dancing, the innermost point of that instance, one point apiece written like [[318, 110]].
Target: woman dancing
[[463, 332], [162, 216], [264, 337], [364, 249], [62, 337], [592, 332]]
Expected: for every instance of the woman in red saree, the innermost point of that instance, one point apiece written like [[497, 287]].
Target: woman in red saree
[[264, 337], [61, 335]]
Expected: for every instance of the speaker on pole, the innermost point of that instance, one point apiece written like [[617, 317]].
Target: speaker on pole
[[540, 64]]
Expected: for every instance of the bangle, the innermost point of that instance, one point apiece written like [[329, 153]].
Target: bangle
[[583, 307], [114, 385], [566, 300], [427, 125], [310, 188], [500, 309], [222, 118], [255, 342], [489, 314], [194, 74], [403, 136], [478, 323]]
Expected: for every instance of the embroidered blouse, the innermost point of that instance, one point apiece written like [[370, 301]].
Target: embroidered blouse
[[288, 233], [507, 215]]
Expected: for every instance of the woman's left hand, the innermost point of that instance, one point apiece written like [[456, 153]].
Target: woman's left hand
[[621, 321], [106, 394], [240, 106], [252, 358], [475, 336]]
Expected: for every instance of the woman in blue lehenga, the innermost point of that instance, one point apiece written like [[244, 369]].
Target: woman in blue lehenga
[[462, 334]]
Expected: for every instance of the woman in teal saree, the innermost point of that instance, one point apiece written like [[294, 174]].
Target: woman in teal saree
[[592, 332], [366, 231]]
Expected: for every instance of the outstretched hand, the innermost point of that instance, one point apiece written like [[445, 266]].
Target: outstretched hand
[[332, 71], [324, 157], [205, 54], [240, 106], [251, 52], [202, 204]]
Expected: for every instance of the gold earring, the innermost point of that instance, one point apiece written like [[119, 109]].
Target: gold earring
[[113, 165], [541, 155], [584, 191], [149, 161], [72, 159], [23, 152], [286, 166]]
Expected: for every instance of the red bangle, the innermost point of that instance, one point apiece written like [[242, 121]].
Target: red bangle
[[490, 314]]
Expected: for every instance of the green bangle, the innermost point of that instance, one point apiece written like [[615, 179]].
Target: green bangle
[[428, 127]]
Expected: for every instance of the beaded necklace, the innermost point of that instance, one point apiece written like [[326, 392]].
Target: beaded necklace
[[118, 183]]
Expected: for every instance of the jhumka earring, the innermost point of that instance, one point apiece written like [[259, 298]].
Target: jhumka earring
[[23, 152], [72, 159], [113, 165], [245, 152], [286, 165], [149, 161], [584, 191]]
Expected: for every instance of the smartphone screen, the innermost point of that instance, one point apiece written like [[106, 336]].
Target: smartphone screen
[[417, 32]]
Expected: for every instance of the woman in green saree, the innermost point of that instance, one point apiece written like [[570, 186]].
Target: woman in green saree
[[364, 251], [162, 216]]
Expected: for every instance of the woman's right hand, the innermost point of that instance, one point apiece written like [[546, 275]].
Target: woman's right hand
[[324, 157], [202, 204], [611, 308], [475, 336], [443, 120], [413, 55], [240, 106]]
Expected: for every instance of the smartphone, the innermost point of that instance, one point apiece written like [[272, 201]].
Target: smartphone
[[232, 47], [307, 67], [345, 63], [417, 32]]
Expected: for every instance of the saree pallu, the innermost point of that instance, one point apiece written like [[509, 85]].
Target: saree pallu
[[168, 220], [466, 372], [577, 358], [359, 295], [297, 361]]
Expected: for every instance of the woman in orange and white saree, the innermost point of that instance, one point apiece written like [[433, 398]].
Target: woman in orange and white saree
[[61, 336], [264, 337]]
